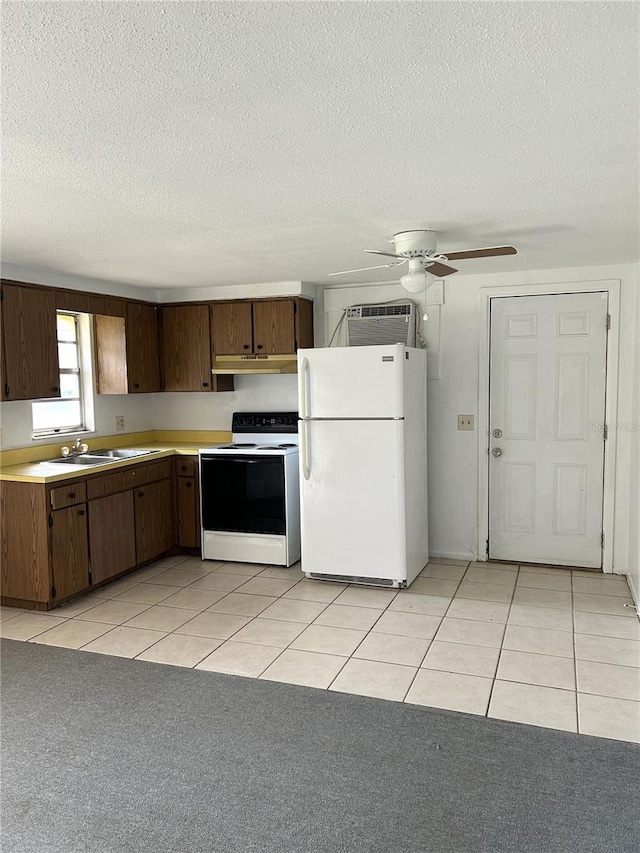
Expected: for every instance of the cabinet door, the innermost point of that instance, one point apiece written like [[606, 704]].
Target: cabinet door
[[69, 550], [143, 368], [187, 512], [112, 537], [30, 344], [274, 326], [154, 520], [231, 328], [186, 348]]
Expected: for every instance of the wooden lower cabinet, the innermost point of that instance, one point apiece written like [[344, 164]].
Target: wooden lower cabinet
[[154, 519], [187, 512], [112, 536], [59, 541], [69, 551]]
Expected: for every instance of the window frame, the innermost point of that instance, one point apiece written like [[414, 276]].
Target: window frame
[[67, 429]]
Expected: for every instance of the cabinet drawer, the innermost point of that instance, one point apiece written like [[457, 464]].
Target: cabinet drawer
[[185, 467], [157, 471], [68, 495], [111, 484]]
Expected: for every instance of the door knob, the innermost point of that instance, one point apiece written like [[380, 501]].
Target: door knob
[[497, 433], [497, 451]]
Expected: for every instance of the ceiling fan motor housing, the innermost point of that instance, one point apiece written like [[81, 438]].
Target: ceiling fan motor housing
[[415, 243]]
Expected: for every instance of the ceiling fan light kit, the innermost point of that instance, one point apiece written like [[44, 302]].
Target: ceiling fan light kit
[[418, 249]]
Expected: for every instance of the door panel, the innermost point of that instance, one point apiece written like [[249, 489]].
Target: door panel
[[273, 327], [30, 350], [143, 368], [112, 538], [351, 382], [352, 507], [154, 520], [547, 400], [231, 328], [70, 551], [186, 348]]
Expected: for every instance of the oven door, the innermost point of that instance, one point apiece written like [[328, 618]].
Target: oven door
[[243, 494]]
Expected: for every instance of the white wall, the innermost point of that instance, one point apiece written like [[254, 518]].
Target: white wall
[[15, 418], [272, 392], [453, 455], [634, 491]]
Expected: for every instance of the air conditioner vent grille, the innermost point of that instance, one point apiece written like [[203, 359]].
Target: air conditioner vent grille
[[371, 325]]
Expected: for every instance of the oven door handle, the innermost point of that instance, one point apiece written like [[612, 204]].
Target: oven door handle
[[304, 460], [304, 375]]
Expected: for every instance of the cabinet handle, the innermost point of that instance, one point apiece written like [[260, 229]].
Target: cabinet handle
[[81, 512], [184, 467], [188, 485], [72, 494], [140, 494], [259, 346], [245, 346], [136, 384], [205, 384], [55, 389]]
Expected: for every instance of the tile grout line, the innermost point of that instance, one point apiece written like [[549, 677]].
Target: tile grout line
[[500, 650]]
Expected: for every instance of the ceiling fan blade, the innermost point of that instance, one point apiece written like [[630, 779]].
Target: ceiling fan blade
[[438, 269], [490, 252], [364, 269], [387, 254]]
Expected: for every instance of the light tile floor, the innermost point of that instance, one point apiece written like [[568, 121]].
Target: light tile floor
[[546, 647]]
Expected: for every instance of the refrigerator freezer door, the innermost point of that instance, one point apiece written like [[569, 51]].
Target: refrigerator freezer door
[[353, 514], [351, 382]]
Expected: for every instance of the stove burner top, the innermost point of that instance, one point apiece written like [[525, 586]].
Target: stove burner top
[[269, 447], [287, 445], [235, 445]]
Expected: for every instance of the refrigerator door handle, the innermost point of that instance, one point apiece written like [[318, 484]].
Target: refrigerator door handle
[[306, 468], [304, 373]]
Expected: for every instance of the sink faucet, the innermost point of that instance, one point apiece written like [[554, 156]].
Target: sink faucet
[[77, 447]]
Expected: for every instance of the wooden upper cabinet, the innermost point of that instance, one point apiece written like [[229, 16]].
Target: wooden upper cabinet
[[274, 327], [30, 349], [261, 327], [232, 328], [186, 348], [127, 360], [141, 333]]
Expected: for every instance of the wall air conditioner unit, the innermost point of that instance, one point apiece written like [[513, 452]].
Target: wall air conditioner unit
[[371, 325]]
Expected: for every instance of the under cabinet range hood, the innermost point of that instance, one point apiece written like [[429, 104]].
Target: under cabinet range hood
[[254, 364]]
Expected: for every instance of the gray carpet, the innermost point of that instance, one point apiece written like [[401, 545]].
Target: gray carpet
[[102, 754]]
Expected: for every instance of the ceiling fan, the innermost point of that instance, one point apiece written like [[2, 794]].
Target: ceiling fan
[[418, 249]]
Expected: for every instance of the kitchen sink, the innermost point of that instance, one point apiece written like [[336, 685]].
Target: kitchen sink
[[80, 459], [121, 454], [99, 457]]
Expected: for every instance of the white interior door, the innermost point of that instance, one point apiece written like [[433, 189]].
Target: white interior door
[[546, 429]]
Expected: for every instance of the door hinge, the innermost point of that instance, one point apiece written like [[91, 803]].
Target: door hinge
[[1, 295], [50, 519], [487, 544], [608, 323], [606, 432], [53, 592], [602, 539], [6, 390]]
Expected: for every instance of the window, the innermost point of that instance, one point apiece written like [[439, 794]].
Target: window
[[66, 414]]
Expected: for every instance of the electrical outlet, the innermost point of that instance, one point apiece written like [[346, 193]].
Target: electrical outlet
[[465, 422], [119, 423]]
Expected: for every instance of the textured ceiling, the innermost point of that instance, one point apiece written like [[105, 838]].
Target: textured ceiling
[[168, 144]]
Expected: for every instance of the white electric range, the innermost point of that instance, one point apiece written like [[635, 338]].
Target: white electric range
[[250, 493]]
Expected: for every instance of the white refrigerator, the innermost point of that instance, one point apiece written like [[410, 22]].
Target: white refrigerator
[[363, 463]]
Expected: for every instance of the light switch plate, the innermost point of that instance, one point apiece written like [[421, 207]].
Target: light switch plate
[[466, 422]]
